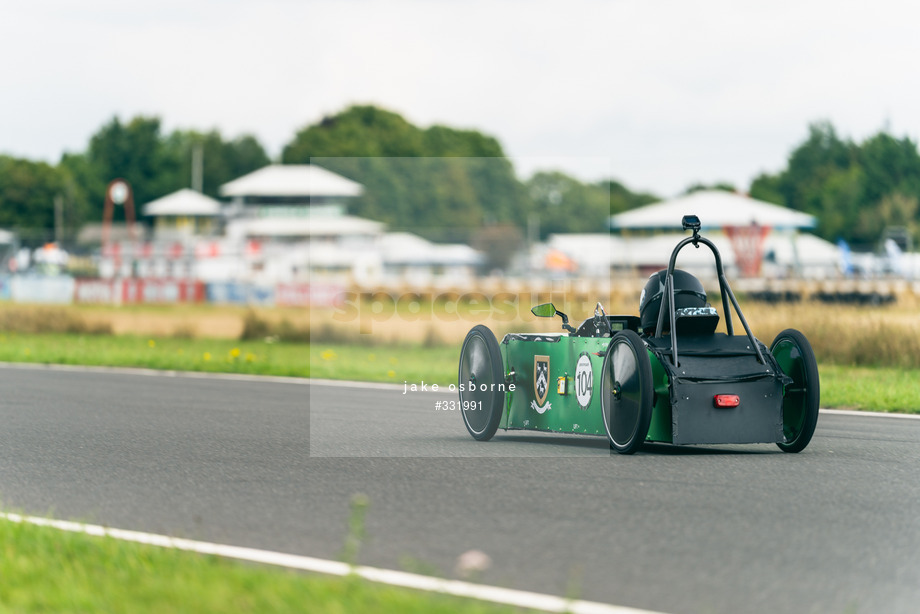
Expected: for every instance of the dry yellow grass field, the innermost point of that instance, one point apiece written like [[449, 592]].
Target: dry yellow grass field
[[846, 335], [191, 321], [869, 357]]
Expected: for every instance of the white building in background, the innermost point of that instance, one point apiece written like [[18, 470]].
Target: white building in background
[[183, 215], [284, 223], [283, 213], [716, 209], [411, 259], [276, 201], [600, 255], [644, 238], [731, 221], [295, 217]]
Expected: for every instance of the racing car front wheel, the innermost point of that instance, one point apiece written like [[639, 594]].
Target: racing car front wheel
[[803, 396], [626, 392], [481, 383]]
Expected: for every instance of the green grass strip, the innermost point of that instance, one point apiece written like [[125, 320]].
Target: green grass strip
[[208, 355], [885, 389], [44, 569], [394, 364]]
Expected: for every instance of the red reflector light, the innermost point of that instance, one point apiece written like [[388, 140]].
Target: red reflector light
[[726, 400]]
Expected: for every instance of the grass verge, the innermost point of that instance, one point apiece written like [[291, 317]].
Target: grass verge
[[883, 389], [393, 363], [887, 389], [47, 570], [264, 357]]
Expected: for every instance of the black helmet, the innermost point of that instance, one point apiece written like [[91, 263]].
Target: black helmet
[[688, 292]]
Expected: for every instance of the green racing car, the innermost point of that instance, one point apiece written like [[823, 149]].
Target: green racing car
[[663, 376]]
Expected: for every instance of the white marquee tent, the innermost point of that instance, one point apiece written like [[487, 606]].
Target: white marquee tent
[[292, 180], [716, 209], [185, 202], [753, 229]]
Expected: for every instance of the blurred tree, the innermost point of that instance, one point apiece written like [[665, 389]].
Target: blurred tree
[[242, 155], [358, 131], [811, 164], [155, 165], [133, 152], [894, 210], [766, 187], [821, 178], [222, 161], [722, 185], [441, 141], [622, 199], [27, 192], [80, 182], [440, 182], [564, 204], [499, 243], [837, 203], [854, 190], [891, 166]]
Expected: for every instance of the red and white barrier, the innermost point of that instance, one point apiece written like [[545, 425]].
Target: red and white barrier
[[135, 291]]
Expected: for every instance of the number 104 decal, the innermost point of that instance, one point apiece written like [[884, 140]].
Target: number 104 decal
[[584, 380]]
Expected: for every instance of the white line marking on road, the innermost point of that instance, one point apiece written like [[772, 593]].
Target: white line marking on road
[[305, 381], [868, 414], [507, 596], [340, 383], [302, 381]]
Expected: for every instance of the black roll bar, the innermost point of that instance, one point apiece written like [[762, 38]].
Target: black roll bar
[[724, 290]]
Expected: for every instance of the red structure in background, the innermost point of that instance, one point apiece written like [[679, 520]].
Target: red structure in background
[[136, 291], [747, 243]]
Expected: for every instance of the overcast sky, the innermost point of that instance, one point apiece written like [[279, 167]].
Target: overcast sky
[[656, 94]]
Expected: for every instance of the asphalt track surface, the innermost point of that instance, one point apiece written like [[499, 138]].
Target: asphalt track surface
[[680, 530]]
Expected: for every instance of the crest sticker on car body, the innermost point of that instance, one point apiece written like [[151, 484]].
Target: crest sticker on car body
[[540, 383]]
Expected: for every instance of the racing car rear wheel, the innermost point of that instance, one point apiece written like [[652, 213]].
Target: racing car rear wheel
[[626, 392], [481, 380], [801, 398]]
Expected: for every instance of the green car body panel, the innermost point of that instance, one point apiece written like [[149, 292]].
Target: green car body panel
[[562, 411]]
